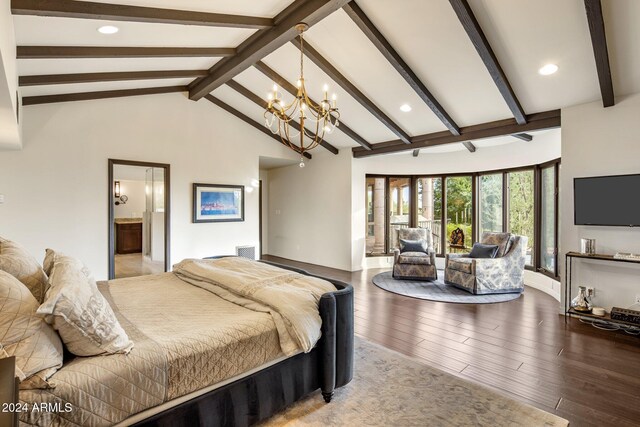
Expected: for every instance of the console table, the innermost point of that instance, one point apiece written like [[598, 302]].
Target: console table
[[569, 257]]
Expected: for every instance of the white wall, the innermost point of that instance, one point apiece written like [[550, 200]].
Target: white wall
[[56, 187], [264, 177], [135, 206], [601, 141], [309, 210], [9, 128]]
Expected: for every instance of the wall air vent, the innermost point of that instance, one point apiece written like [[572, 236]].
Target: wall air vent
[[248, 252]]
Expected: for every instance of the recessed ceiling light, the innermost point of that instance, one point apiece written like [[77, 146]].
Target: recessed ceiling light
[[548, 69], [405, 107], [108, 29]]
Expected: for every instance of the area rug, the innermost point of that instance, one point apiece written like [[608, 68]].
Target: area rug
[[436, 290], [391, 389]]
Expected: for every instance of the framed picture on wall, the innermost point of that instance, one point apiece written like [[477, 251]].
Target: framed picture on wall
[[218, 203]]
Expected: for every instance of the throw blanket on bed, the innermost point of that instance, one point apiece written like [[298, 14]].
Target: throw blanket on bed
[[291, 298]]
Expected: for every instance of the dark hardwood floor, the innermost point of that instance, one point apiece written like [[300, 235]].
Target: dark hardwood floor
[[521, 348]]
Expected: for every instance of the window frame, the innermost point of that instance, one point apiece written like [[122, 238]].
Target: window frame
[[536, 209], [443, 209], [556, 220], [386, 210], [474, 209], [504, 194], [389, 205]]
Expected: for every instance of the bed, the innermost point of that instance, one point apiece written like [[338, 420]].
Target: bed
[[198, 359]]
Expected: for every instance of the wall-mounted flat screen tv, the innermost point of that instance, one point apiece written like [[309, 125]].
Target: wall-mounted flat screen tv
[[607, 200]]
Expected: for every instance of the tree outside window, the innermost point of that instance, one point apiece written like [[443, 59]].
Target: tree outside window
[[490, 212], [521, 208], [460, 207]]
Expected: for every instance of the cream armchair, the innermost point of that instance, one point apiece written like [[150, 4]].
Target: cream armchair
[[503, 274], [415, 265]]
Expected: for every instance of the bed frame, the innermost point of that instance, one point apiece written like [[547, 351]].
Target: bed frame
[[258, 396]]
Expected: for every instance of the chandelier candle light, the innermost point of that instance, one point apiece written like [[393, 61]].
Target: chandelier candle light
[[281, 117]]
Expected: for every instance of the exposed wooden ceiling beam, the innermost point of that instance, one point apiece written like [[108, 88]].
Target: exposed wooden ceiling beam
[[523, 136], [416, 152], [56, 79], [262, 103], [120, 12], [369, 29], [475, 33], [351, 89], [469, 146], [85, 96], [600, 51], [248, 120], [293, 90], [537, 121], [263, 42], [47, 52]]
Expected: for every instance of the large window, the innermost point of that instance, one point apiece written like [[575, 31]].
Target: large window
[[490, 200], [429, 208], [399, 207], [522, 201], [521, 208], [376, 229], [459, 199], [548, 219]]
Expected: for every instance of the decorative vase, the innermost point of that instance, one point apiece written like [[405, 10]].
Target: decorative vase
[[581, 303], [588, 246]]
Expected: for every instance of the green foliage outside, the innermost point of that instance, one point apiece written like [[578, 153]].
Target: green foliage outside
[[459, 199], [521, 210], [459, 207], [521, 204], [490, 203], [547, 221], [437, 197]]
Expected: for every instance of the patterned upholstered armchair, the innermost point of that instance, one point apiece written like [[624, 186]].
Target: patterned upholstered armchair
[[502, 274], [415, 265]]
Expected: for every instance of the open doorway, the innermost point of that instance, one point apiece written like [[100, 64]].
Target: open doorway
[[139, 218]]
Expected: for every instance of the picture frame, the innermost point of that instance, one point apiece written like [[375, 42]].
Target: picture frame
[[218, 203]]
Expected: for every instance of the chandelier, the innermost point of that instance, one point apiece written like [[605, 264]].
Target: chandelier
[[281, 117]]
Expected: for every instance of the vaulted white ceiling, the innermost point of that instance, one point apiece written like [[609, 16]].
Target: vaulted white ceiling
[[524, 35]]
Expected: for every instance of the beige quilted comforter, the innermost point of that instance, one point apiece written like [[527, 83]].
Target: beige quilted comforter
[[291, 298], [186, 338]]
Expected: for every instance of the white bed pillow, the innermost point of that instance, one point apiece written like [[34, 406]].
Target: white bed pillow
[[25, 335], [15, 260], [79, 312]]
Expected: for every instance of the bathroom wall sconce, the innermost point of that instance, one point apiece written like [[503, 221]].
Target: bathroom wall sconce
[[121, 199]]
